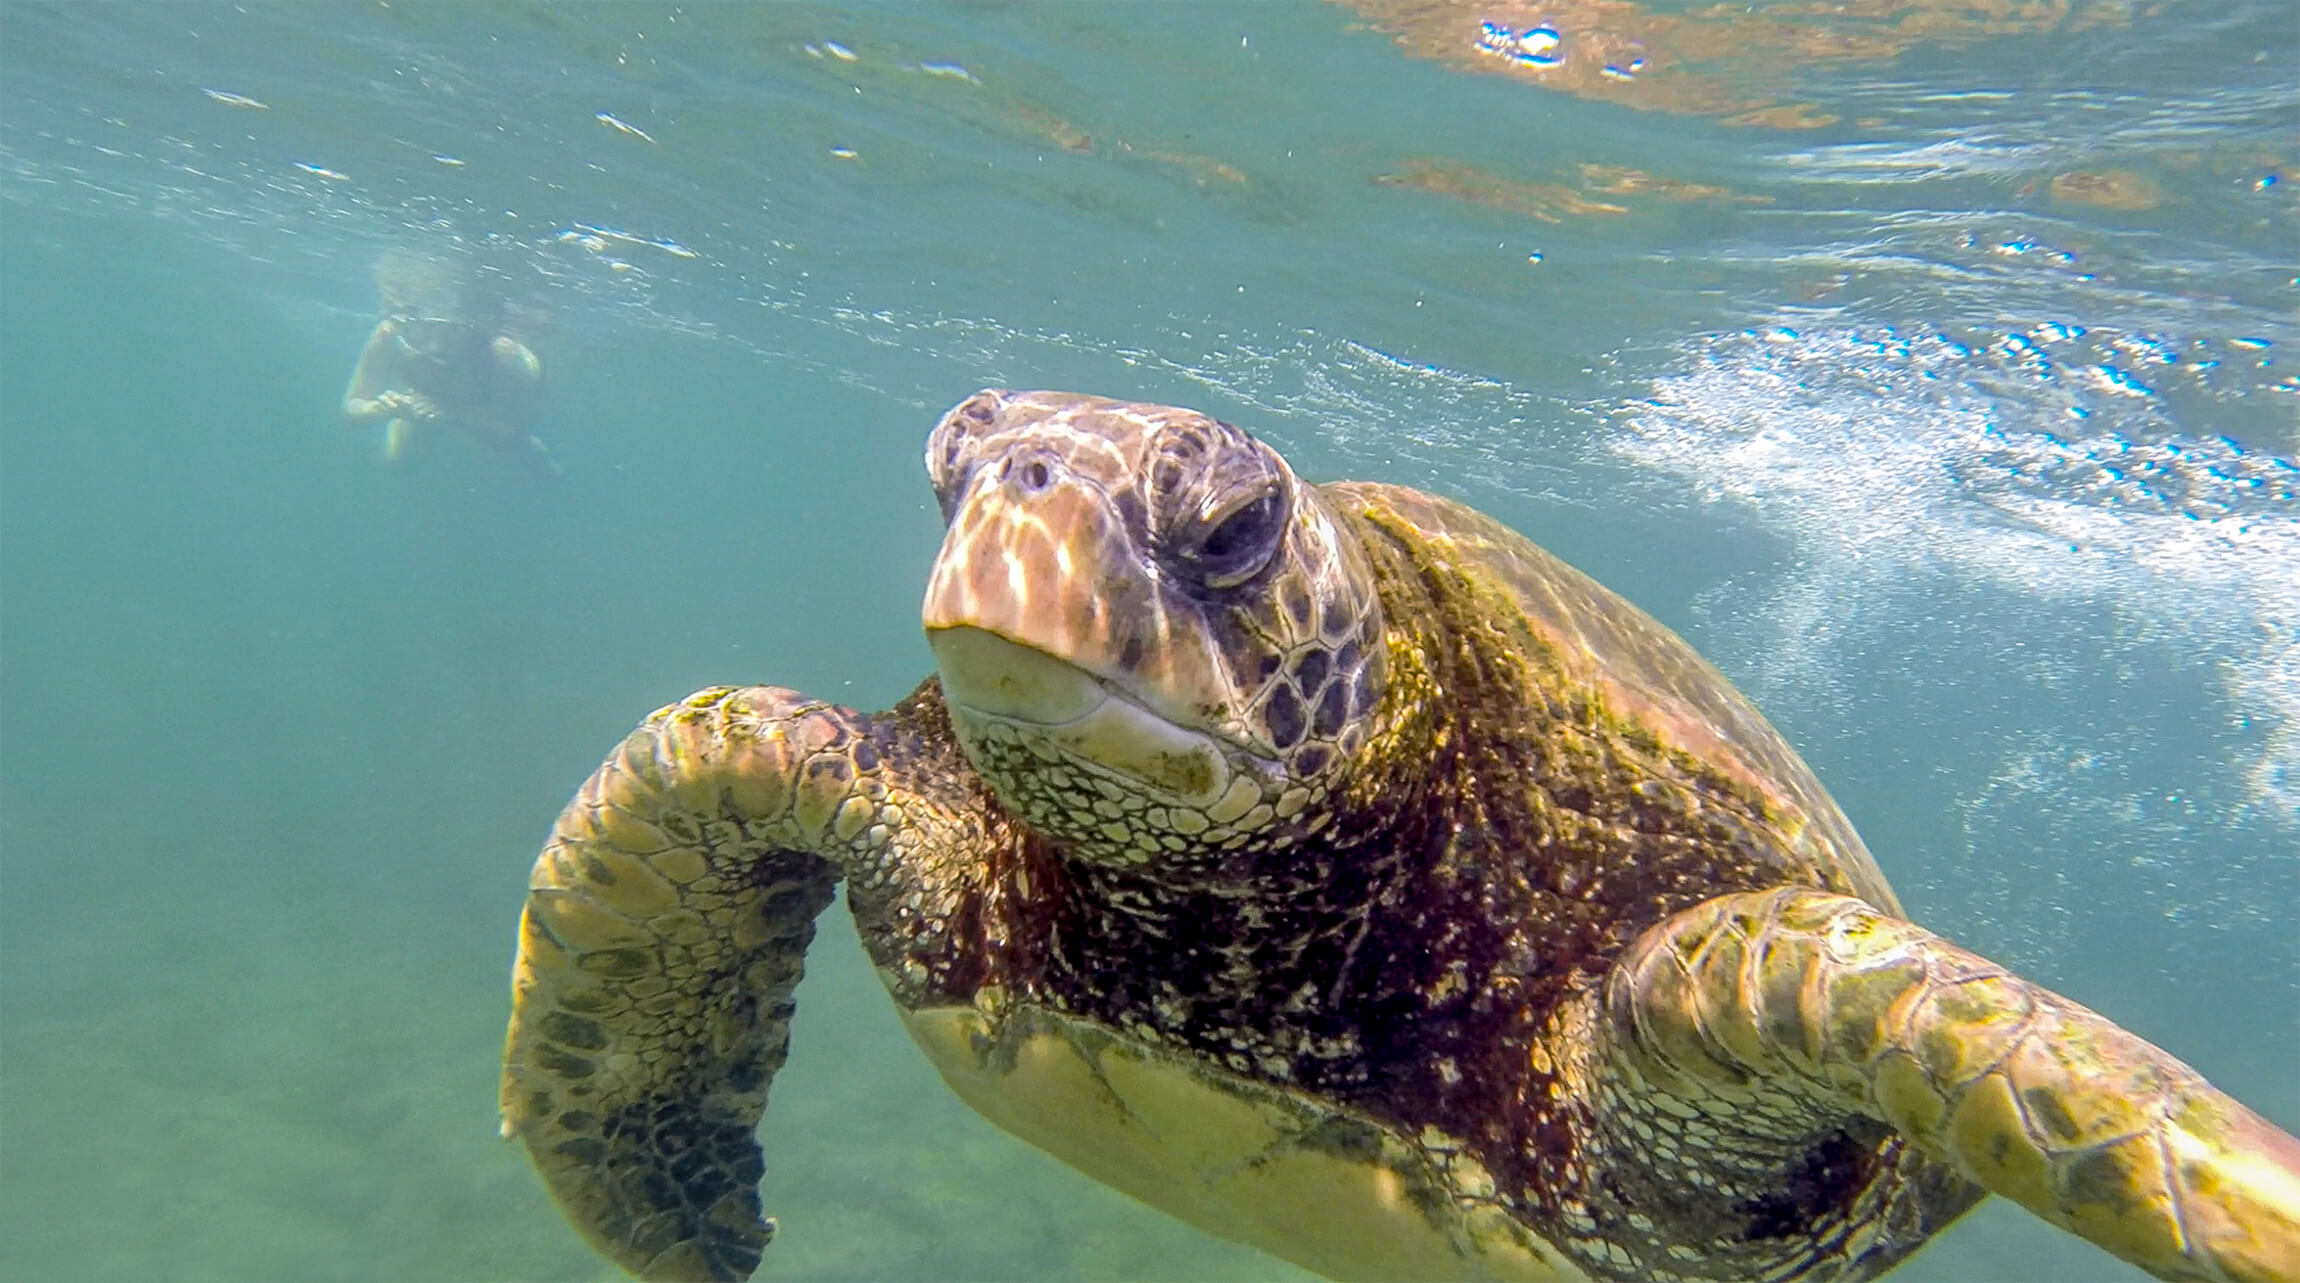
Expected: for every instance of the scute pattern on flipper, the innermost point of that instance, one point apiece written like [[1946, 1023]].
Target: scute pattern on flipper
[[670, 1177], [666, 930], [689, 1175], [1791, 1009]]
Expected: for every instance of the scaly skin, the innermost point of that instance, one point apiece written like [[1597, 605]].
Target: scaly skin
[[1349, 798], [666, 928], [1744, 1000]]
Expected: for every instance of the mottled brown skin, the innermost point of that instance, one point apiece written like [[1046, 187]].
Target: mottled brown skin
[[1350, 792]]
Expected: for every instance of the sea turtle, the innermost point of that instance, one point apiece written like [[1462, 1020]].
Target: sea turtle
[[1334, 869]]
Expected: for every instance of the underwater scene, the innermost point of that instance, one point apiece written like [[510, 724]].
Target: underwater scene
[[400, 401]]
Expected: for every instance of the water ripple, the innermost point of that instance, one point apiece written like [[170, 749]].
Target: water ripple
[[2041, 460]]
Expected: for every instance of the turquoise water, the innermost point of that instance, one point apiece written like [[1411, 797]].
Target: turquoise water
[[1932, 372]]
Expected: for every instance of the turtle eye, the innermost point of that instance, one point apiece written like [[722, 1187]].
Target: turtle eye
[[1231, 546], [949, 469]]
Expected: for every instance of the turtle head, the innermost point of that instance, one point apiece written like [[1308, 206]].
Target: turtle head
[[1152, 636]]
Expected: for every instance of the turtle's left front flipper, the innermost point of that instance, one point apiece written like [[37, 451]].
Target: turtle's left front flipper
[[2014, 1087], [665, 932]]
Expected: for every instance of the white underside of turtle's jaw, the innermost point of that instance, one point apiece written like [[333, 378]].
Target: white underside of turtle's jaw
[[1000, 688]]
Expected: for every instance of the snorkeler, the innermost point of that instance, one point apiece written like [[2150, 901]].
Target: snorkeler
[[442, 356]]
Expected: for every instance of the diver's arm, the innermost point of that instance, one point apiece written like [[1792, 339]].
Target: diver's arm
[[521, 388], [519, 360], [537, 456], [365, 398], [521, 397]]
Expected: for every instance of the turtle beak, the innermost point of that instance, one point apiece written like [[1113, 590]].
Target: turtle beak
[[1022, 558], [990, 682], [988, 674]]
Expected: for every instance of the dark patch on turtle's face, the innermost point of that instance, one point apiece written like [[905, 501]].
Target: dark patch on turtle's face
[[1182, 569]]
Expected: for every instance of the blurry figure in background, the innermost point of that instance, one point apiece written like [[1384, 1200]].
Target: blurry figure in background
[[448, 354]]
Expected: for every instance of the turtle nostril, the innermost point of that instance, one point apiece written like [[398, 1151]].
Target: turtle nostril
[[1029, 471]]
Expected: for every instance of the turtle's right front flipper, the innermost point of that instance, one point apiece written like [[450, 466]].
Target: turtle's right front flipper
[[666, 928], [1773, 1015]]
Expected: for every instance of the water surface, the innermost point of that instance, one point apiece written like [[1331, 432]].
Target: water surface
[[1928, 366]]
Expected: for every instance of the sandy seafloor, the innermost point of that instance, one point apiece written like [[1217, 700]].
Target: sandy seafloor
[[1978, 476]]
